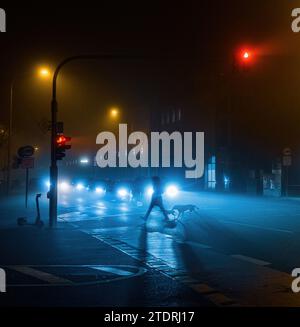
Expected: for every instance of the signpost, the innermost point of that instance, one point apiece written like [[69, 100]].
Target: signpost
[[27, 162], [26, 151], [286, 163]]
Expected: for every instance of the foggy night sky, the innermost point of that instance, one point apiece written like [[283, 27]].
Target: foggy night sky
[[191, 47]]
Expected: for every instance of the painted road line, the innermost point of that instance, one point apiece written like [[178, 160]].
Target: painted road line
[[216, 297], [41, 275], [179, 275], [112, 270], [203, 289], [258, 227], [117, 272], [250, 259], [200, 245]]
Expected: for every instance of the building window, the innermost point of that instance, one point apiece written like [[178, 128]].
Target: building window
[[211, 173], [173, 116], [167, 118], [179, 114]]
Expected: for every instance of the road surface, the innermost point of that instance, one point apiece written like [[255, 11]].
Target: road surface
[[234, 251]]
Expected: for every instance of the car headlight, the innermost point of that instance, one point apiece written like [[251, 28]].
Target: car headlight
[[64, 186], [99, 190], [149, 191], [172, 191], [122, 192], [47, 184], [79, 187]]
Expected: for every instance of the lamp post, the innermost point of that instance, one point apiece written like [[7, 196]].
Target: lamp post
[[54, 109]]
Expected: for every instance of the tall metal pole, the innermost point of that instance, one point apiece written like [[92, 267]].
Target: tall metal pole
[[26, 187], [9, 139], [53, 168]]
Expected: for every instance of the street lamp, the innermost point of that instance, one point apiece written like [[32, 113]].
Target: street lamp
[[42, 72], [54, 106], [114, 113]]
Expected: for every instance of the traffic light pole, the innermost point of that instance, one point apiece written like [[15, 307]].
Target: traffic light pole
[[54, 110], [53, 168]]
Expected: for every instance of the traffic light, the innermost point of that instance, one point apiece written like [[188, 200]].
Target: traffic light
[[62, 146], [246, 56]]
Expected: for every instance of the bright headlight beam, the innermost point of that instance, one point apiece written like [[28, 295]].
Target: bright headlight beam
[[172, 191], [84, 161], [64, 186], [122, 192], [99, 190], [149, 191], [79, 186]]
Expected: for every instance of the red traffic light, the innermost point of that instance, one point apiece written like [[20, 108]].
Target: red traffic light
[[61, 146], [246, 55], [62, 140]]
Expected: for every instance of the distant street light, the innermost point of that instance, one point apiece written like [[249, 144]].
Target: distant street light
[[84, 161], [114, 113], [42, 72]]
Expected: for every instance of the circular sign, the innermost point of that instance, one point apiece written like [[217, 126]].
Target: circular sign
[[26, 151]]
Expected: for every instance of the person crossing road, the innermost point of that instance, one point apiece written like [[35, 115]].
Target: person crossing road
[[157, 200]]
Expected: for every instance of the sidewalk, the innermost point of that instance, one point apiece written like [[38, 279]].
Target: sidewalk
[[66, 267]]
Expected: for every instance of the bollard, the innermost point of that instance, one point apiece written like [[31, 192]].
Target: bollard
[[22, 221], [38, 221]]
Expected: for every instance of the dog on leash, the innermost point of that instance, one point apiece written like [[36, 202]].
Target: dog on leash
[[179, 210]]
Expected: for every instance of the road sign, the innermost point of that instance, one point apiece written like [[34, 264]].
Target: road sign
[[26, 151], [27, 163]]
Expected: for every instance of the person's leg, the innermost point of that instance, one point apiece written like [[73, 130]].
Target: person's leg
[[162, 208], [149, 210]]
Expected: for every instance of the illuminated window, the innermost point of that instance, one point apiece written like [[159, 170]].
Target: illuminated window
[[179, 114], [168, 118], [173, 116], [211, 173]]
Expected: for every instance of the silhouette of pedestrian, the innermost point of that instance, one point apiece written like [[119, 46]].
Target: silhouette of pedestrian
[[156, 200]]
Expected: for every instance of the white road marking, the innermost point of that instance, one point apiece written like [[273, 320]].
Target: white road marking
[[41, 275], [258, 227], [122, 272], [249, 259], [201, 245], [112, 270]]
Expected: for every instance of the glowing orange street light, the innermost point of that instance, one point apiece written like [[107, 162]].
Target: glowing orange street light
[[114, 113], [44, 72]]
